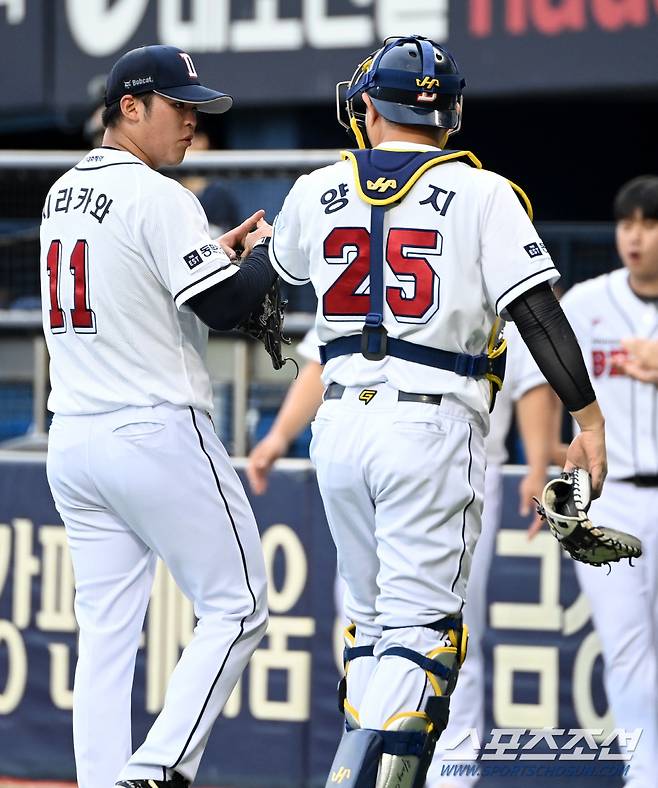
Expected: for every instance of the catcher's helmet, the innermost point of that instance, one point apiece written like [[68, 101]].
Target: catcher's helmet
[[411, 80]]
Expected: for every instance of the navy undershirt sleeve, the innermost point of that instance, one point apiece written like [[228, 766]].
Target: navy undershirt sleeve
[[226, 303]]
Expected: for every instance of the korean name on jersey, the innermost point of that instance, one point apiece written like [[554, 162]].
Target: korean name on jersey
[[458, 248], [122, 250]]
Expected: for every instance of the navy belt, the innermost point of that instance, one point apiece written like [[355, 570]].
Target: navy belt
[[336, 391]]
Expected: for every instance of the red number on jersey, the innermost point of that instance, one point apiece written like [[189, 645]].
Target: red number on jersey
[[83, 318], [417, 297], [351, 246], [53, 259], [402, 254]]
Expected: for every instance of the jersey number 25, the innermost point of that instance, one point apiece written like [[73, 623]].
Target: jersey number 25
[[416, 297], [83, 319]]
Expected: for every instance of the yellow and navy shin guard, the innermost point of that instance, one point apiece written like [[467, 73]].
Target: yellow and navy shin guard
[[399, 755]]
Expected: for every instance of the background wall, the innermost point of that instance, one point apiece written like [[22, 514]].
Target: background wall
[[281, 726]]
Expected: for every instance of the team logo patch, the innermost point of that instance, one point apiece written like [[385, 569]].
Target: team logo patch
[[428, 82], [366, 395], [198, 256], [535, 249], [342, 774], [193, 259], [382, 184]]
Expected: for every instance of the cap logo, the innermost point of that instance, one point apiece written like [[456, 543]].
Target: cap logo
[[137, 82], [190, 65]]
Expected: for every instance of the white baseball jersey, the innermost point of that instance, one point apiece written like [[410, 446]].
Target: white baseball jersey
[[521, 375], [308, 347], [459, 248], [603, 311], [123, 249]]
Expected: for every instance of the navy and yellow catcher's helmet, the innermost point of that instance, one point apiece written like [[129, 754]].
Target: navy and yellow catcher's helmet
[[411, 80]]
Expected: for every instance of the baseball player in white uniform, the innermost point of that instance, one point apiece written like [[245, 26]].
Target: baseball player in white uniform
[[413, 252], [526, 393], [605, 311], [129, 272]]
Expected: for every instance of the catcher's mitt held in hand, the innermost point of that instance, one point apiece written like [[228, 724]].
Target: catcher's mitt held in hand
[[564, 505], [266, 325]]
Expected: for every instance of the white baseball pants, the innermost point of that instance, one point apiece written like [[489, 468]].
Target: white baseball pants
[[624, 606], [467, 701], [402, 486], [131, 485]]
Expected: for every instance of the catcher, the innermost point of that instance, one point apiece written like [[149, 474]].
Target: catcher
[[564, 505]]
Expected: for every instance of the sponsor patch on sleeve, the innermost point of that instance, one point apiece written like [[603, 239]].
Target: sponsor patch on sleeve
[[200, 255], [536, 249]]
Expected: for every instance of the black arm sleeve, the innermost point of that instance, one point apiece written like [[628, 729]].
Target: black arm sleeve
[[550, 338], [225, 304]]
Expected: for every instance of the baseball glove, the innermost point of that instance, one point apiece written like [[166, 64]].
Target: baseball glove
[[266, 325], [564, 505]]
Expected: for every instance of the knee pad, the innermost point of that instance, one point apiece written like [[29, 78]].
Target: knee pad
[[350, 653], [441, 664]]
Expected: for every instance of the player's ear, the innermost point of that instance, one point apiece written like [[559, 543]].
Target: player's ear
[[370, 107], [130, 107]]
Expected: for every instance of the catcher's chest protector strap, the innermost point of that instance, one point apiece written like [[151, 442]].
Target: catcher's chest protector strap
[[394, 173]]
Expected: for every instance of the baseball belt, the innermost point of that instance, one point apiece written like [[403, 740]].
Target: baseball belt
[[336, 391]]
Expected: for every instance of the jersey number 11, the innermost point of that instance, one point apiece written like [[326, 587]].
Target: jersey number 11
[[83, 319]]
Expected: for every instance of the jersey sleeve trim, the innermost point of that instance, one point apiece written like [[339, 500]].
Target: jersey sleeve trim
[[198, 286], [283, 273], [550, 274]]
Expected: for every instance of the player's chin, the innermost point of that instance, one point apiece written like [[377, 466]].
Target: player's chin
[[177, 154]]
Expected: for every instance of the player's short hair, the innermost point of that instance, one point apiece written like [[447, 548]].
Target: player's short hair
[[640, 194], [112, 114]]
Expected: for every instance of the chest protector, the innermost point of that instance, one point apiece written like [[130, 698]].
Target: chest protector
[[383, 178]]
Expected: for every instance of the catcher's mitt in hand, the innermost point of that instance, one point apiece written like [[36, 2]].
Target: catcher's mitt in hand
[[266, 325], [564, 505]]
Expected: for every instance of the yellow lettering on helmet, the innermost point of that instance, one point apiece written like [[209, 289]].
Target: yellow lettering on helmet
[[428, 82], [382, 184]]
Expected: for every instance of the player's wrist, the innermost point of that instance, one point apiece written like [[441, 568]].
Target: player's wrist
[[590, 418]]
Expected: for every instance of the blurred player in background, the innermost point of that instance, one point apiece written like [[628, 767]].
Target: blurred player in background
[[130, 275], [216, 200], [604, 312], [640, 361], [300, 405], [413, 252]]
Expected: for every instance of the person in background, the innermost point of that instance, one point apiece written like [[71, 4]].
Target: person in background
[[604, 313]]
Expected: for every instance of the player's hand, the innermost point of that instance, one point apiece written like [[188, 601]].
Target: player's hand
[[531, 487], [261, 459], [263, 230], [640, 360], [587, 450], [233, 241]]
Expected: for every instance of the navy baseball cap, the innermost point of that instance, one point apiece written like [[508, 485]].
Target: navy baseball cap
[[167, 71]]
